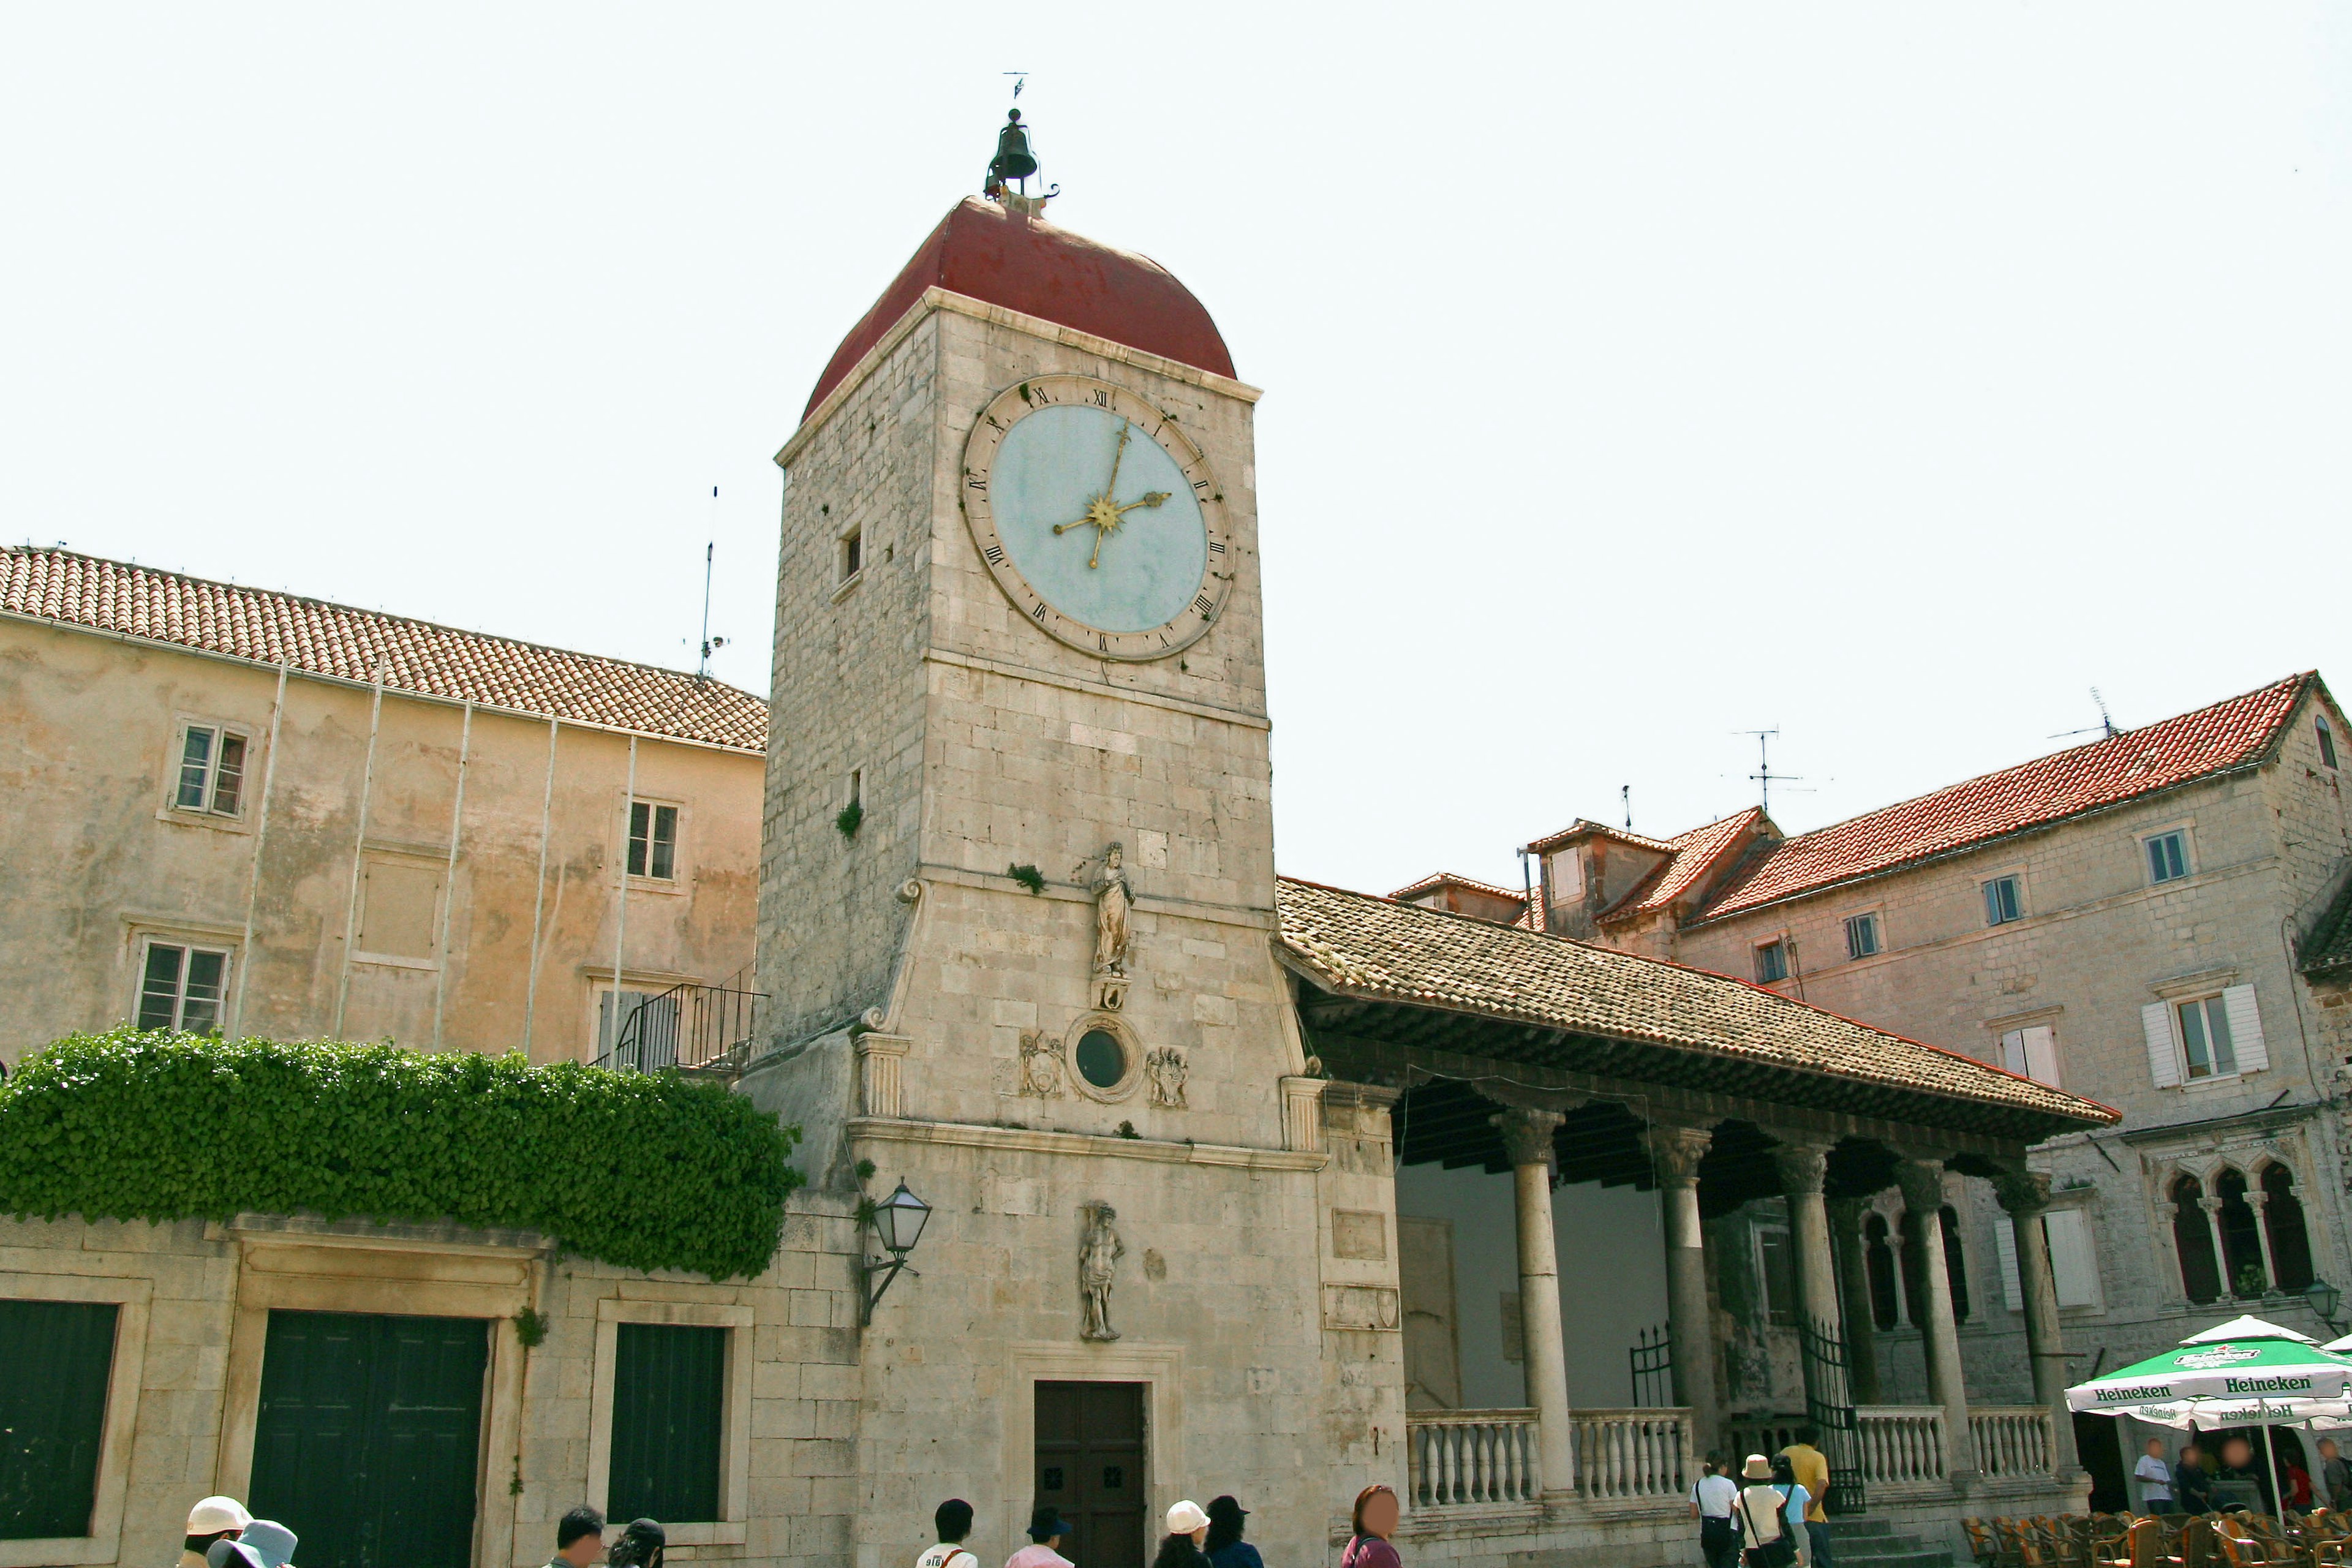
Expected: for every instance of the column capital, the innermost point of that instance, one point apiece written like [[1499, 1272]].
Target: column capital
[[2021, 1194], [1922, 1182], [2209, 1205], [1678, 1150], [1803, 1167], [1845, 1213], [1527, 1134]]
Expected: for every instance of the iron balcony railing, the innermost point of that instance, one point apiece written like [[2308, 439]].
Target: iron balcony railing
[[687, 1026]]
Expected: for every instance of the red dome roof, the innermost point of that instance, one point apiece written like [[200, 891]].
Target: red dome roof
[[989, 254]]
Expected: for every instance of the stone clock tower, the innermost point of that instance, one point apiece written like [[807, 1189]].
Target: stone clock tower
[[1016, 903]]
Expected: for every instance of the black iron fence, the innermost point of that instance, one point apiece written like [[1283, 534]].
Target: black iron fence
[[687, 1026]]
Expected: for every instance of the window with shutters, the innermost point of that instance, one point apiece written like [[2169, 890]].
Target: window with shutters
[[2073, 1266], [2168, 856], [2196, 1039], [53, 1415], [1861, 936], [669, 1400], [653, 840], [2031, 1052], [180, 987], [2004, 901], [211, 776], [1771, 962]]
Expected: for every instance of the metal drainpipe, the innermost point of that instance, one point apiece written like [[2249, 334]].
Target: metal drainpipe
[[359, 850], [261, 837], [449, 875], [538, 900]]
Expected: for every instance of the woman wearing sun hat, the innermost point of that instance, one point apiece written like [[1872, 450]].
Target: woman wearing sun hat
[[213, 1518], [1765, 1537], [1188, 1526]]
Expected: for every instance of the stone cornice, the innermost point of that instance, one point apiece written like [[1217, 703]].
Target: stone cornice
[[1209, 710], [1030, 1140]]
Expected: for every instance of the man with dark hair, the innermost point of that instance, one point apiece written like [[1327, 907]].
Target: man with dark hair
[[952, 1519], [579, 1539]]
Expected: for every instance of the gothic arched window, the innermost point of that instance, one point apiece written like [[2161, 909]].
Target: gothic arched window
[[1956, 1266], [2192, 1238], [1878, 1257], [2241, 1240], [2283, 1217]]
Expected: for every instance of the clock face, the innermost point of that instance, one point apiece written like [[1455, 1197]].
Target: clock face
[[1097, 516]]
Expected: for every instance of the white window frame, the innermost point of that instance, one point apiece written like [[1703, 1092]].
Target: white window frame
[[207, 809], [2148, 857], [188, 947], [2204, 1010], [733, 1526], [1870, 920], [2016, 879], [653, 805], [132, 1297], [1778, 944]]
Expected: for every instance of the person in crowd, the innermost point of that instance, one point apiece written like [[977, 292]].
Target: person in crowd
[[213, 1518], [1794, 1500], [1225, 1547], [2238, 1466], [951, 1521], [2155, 1477], [1374, 1522], [1188, 1526], [1712, 1498], [643, 1545], [1762, 1510], [2335, 1475], [1046, 1530], [2294, 1481], [1811, 1470], [2192, 1484], [264, 1543], [579, 1539]]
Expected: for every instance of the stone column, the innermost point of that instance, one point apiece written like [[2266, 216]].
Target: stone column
[[1923, 1194], [1678, 1150], [1527, 1136], [2025, 1197], [2259, 1201], [2212, 1207], [1804, 1168], [1853, 1276]]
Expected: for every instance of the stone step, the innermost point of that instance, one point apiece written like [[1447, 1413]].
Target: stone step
[[1911, 1553], [1849, 1528]]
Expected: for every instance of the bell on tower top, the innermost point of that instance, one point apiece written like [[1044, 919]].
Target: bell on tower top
[[1013, 165]]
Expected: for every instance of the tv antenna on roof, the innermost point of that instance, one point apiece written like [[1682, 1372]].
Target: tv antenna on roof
[[710, 644], [2107, 725], [1764, 775]]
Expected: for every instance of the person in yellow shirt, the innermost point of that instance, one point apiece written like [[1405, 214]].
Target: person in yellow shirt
[[1813, 1471]]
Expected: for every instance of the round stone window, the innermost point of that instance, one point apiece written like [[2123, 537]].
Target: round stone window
[[1102, 1058]]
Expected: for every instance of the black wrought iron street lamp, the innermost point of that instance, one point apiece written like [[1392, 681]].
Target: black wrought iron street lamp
[[2322, 1300], [897, 1221]]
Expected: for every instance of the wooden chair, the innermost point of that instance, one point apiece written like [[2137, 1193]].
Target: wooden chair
[[2241, 1547], [1984, 1545], [2019, 1537], [2110, 1538]]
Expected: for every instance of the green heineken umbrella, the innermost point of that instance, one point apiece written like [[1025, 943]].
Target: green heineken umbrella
[[2258, 1367]]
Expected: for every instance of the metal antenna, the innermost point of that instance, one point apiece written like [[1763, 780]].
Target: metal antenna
[[1764, 775], [709, 554], [2105, 726], [1625, 792]]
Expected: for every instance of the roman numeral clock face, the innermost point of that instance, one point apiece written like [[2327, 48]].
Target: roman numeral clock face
[[1097, 516]]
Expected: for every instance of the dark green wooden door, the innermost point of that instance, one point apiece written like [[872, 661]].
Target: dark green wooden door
[[367, 1445], [60, 1357], [1090, 1451], [668, 1398]]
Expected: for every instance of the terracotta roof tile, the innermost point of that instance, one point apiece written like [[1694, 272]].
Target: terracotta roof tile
[[1358, 945], [1695, 856], [1585, 828], [1437, 880], [321, 638], [2160, 756]]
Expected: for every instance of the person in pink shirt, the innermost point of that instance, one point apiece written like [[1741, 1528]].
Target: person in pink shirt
[[1047, 1529], [1375, 1521]]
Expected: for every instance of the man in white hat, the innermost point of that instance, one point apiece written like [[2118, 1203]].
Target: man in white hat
[[213, 1518]]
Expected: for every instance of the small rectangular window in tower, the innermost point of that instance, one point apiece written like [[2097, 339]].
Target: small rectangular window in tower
[[1861, 935], [852, 553], [2003, 903], [857, 787], [1773, 962], [2167, 857], [2327, 743], [212, 769], [653, 840]]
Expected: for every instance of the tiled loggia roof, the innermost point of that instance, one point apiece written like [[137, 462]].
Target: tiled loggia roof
[[2232, 734], [1360, 946], [316, 638]]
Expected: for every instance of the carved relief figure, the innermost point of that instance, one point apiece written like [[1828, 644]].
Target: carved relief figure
[[1113, 899], [1040, 1066], [1166, 1069], [1099, 1256]]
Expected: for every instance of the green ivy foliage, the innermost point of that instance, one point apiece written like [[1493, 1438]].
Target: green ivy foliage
[[642, 1171]]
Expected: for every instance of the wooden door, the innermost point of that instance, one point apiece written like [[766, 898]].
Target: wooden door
[[368, 1444], [60, 1361], [1091, 1465], [1433, 1352]]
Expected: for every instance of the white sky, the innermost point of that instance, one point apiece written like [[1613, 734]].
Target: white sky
[[1634, 376]]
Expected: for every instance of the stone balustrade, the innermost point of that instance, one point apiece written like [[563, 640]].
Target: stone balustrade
[[1901, 1443], [1459, 1457], [2011, 1439], [1648, 1452]]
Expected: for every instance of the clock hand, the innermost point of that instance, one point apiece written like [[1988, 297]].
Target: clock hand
[[1117, 455], [1152, 498]]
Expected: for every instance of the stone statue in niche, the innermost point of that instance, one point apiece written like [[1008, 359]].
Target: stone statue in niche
[[1099, 1256], [1040, 1066], [1165, 1067], [1113, 902]]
